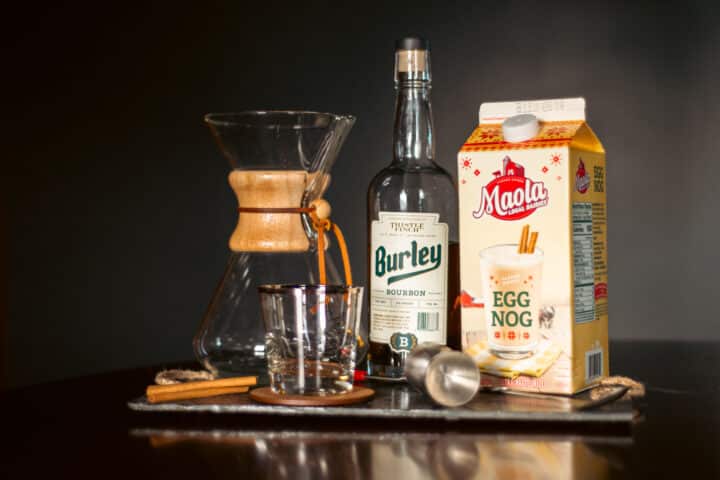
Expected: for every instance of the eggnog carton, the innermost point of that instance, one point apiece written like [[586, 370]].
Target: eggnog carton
[[533, 261]]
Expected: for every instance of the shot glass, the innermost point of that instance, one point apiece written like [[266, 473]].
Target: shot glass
[[311, 337]]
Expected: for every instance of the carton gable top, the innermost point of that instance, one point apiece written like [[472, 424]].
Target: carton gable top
[[562, 123], [553, 110]]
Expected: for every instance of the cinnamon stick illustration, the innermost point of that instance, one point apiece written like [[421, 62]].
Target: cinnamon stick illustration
[[528, 240], [532, 242], [522, 246]]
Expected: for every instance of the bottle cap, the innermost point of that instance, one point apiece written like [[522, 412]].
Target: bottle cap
[[412, 60], [520, 128], [412, 43]]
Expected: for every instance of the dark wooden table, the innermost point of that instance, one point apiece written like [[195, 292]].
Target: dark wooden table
[[82, 428]]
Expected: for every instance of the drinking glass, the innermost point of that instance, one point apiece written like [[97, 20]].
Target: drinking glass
[[511, 285], [311, 337]]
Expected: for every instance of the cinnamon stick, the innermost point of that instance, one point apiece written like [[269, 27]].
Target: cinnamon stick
[[522, 246], [195, 393], [532, 242], [202, 385]]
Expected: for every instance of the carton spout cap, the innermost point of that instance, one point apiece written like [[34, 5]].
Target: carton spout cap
[[520, 128]]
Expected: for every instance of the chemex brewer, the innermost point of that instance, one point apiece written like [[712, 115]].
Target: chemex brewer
[[533, 259]]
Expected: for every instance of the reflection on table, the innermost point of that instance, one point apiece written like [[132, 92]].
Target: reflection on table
[[322, 455]]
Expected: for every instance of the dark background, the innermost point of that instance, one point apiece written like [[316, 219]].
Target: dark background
[[115, 200]]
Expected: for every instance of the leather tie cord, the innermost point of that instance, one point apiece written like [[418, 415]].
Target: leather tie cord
[[321, 223]]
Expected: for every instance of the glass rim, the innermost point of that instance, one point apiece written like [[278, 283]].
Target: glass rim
[[248, 118], [485, 251], [290, 287]]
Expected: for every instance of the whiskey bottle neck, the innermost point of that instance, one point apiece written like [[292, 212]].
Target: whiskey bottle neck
[[413, 134]]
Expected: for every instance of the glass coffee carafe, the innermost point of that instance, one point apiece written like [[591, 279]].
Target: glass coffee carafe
[[281, 163]]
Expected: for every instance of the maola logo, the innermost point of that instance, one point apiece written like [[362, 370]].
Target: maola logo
[[511, 195], [582, 179]]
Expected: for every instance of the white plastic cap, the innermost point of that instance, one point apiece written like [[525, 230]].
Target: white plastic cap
[[519, 128]]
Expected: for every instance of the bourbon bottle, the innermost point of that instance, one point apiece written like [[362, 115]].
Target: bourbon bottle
[[412, 229]]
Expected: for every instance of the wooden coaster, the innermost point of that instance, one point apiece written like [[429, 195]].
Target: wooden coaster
[[266, 395]]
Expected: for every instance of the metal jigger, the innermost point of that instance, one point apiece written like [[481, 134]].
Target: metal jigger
[[450, 378]]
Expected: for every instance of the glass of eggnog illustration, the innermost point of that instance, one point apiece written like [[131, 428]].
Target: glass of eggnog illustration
[[511, 279]]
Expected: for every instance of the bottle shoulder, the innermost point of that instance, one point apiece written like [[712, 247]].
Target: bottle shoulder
[[414, 190], [411, 178]]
